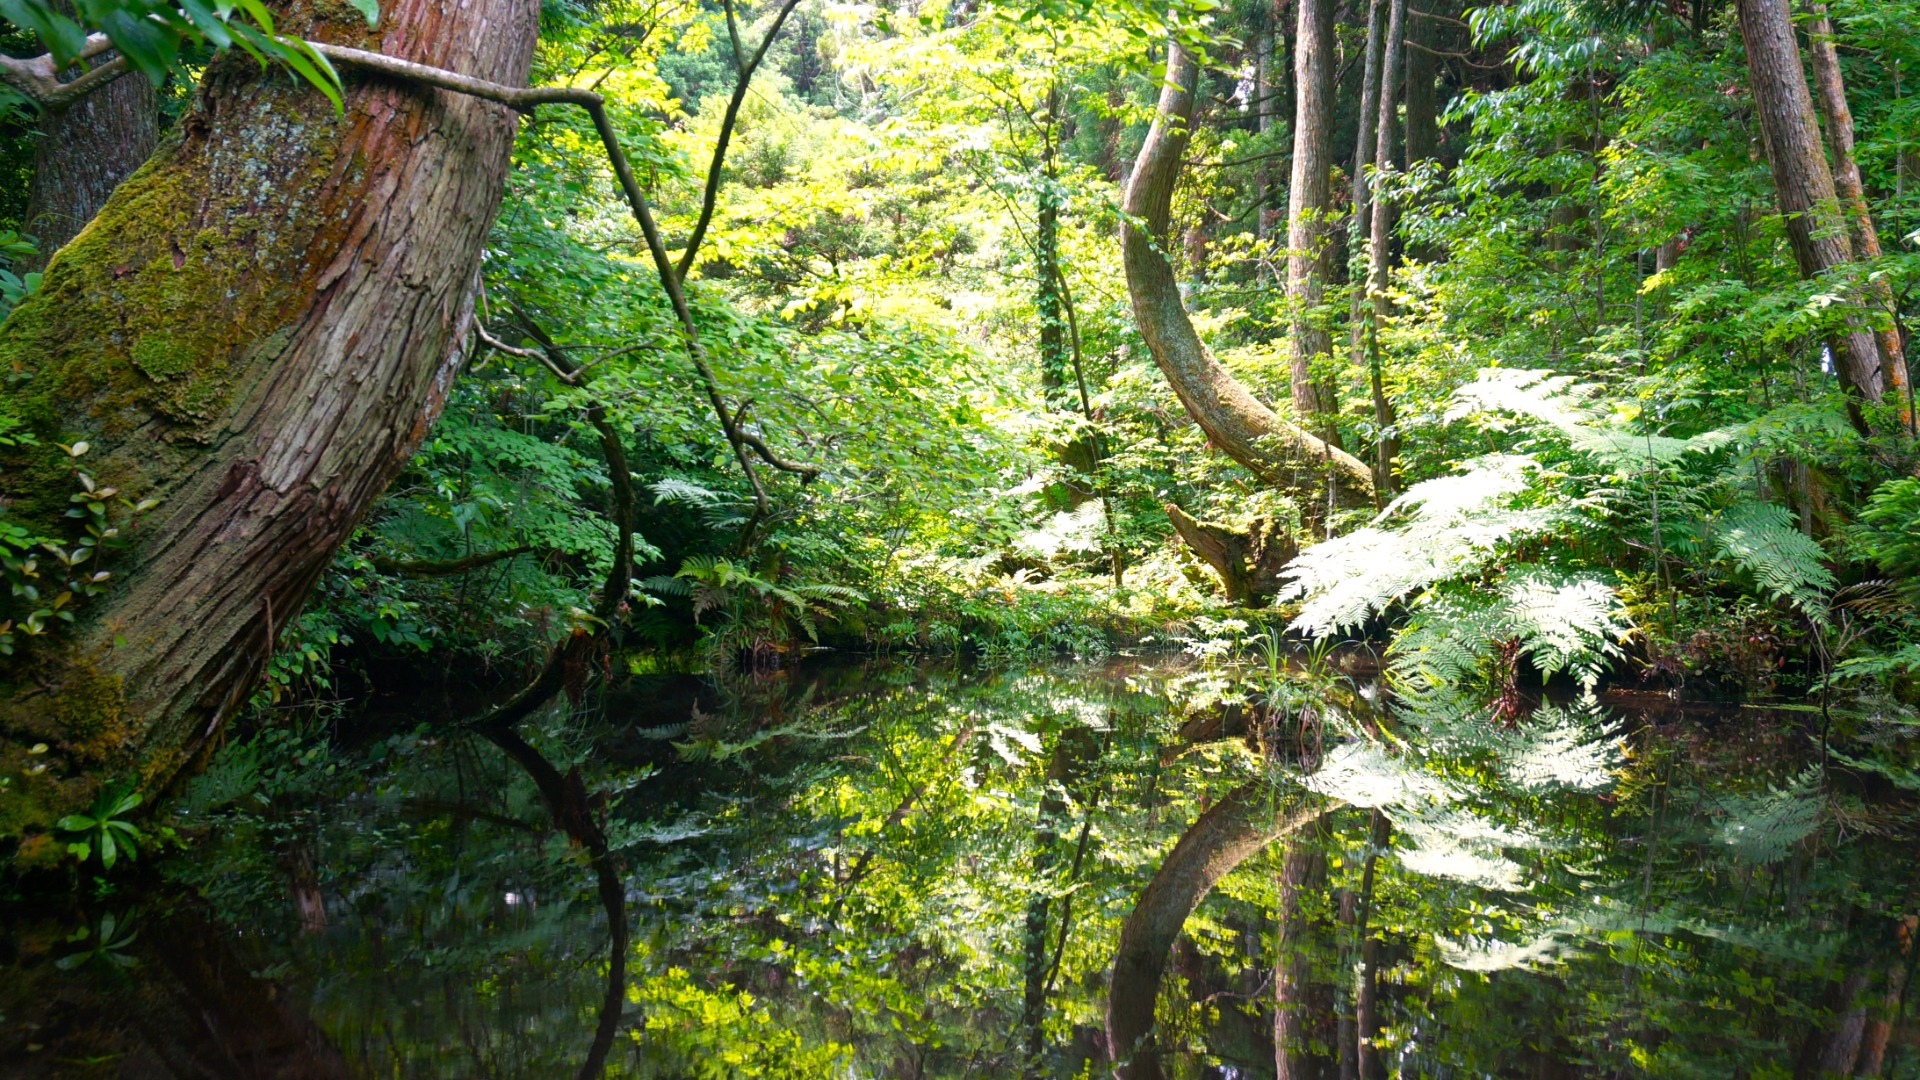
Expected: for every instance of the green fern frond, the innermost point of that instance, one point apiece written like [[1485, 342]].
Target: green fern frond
[[1761, 540]]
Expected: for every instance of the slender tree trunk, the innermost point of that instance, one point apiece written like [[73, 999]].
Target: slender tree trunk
[[1073, 751], [1387, 445], [1302, 873], [1235, 828], [1360, 220], [1423, 116], [1278, 453], [1802, 182], [1263, 97], [1309, 199], [83, 153], [1832, 97], [255, 331], [1366, 1009]]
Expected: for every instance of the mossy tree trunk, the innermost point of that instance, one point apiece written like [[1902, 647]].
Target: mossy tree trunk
[[256, 330]]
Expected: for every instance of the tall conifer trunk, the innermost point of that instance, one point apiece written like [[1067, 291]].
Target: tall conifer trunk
[[1801, 179], [1308, 200], [1864, 238], [256, 331]]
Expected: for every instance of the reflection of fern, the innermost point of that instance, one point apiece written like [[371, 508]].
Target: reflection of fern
[[1764, 827], [1761, 540]]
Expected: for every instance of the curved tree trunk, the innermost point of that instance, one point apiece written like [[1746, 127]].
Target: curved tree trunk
[[1865, 239], [255, 331], [84, 151], [1801, 179], [1278, 453], [1308, 200], [1238, 826]]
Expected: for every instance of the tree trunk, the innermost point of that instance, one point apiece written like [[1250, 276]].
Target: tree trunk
[[1302, 873], [1387, 445], [1309, 198], [1366, 1007], [1359, 221], [1423, 116], [1248, 561], [256, 331], [1846, 182], [1073, 751], [1238, 826], [1278, 453], [1801, 179], [83, 153]]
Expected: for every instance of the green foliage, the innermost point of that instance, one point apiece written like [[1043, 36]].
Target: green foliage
[[1889, 523], [104, 829], [151, 33]]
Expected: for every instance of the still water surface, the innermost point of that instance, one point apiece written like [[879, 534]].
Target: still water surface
[[898, 870]]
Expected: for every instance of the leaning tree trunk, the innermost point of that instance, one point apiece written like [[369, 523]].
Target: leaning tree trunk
[[1278, 453], [255, 331], [1865, 240], [1801, 179], [84, 151], [1224, 837], [1308, 200]]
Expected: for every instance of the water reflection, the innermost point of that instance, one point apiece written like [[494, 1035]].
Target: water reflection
[[1162, 867]]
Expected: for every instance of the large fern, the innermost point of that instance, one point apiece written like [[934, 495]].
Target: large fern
[[1760, 539]]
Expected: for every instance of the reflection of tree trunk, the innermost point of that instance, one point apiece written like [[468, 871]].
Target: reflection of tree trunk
[[1308, 201], [240, 1025], [1832, 96], [1073, 751], [1366, 1009], [1302, 874], [1278, 453], [83, 153], [256, 330], [1236, 827], [1801, 178], [566, 801]]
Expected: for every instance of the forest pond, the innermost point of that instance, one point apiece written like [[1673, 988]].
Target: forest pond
[[890, 869]]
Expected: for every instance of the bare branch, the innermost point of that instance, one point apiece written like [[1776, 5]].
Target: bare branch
[[743, 79]]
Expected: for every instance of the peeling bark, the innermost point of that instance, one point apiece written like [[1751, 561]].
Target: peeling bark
[[256, 331], [1277, 452], [1235, 828]]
